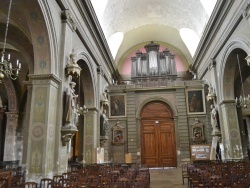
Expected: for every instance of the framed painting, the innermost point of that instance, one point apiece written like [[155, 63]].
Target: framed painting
[[195, 101], [117, 105], [118, 136]]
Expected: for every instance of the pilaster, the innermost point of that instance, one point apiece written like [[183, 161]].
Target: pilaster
[[43, 136], [230, 130], [91, 140], [10, 136]]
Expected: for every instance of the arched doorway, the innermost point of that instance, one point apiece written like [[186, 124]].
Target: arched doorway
[[158, 135]]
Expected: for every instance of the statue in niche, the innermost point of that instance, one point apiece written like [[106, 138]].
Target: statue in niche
[[214, 122], [71, 105], [103, 124]]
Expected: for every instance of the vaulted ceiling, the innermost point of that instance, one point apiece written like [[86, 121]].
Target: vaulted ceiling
[[130, 24]]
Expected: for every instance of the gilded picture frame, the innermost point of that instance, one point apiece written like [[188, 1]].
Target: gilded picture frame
[[117, 105], [195, 101]]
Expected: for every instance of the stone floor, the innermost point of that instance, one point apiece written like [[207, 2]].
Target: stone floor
[[166, 177]]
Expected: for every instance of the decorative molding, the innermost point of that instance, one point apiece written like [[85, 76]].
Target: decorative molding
[[99, 70], [67, 17], [225, 102], [246, 13], [210, 32], [72, 67], [45, 77], [212, 64], [67, 134], [88, 15]]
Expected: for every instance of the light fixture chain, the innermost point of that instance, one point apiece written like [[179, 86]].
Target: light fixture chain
[[241, 77], [7, 26]]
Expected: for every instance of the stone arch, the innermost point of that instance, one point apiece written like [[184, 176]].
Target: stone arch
[[151, 99], [228, 80], [43, 37], [227, 68], [88, 80]]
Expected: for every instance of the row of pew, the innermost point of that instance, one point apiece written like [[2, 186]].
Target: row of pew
[[83, 176]]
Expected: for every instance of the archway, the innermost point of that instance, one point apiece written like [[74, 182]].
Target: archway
[[85, 91], [158, 135], [234, 127]]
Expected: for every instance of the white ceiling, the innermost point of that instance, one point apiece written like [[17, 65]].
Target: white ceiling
[[142, 21]]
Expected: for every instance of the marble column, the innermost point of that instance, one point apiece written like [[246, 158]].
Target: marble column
[[10, 136], [230, 131], [91, 140], [43, 136]]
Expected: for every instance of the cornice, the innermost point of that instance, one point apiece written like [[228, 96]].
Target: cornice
[[89, 16], [45, 77], [217, 49], [62, 4], [211, 33], [229, 101]]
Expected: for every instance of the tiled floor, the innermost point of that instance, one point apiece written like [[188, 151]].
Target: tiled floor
[[166, 177]]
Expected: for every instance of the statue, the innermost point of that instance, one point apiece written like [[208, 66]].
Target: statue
[[214, 122], [211, 94], [71, 104], [103, 124]]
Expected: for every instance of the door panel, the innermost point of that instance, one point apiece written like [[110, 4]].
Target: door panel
[[158, 138], [150, 152]]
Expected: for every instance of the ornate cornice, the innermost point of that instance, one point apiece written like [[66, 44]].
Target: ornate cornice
[[45, 77], [227, 102]]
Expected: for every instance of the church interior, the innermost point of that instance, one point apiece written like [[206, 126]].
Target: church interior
[[137, 85]]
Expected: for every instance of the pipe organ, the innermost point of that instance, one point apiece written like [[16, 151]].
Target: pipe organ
[[153, 62]]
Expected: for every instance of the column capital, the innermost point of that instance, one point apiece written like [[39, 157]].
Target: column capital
[[11, 114], [227, 102], [45, 78]]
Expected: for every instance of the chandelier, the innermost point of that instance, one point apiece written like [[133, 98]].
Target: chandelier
[[6, 68], [242, 100]]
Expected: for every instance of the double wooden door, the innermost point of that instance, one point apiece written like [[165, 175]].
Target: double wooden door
[[158, 139]]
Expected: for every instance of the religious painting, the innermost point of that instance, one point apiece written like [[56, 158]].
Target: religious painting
[[195, 101], [118, 134], [117, 105]]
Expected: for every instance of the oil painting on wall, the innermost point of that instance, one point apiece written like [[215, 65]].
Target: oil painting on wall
[[195, 101], [117, 105]]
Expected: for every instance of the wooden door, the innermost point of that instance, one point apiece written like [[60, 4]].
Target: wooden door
[[158, 136]]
